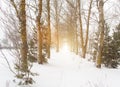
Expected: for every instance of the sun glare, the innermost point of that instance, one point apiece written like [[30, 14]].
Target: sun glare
[[65, 47]]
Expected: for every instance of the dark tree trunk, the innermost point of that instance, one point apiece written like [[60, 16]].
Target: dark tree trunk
[[24, 46], [39, 33], [49, 30]]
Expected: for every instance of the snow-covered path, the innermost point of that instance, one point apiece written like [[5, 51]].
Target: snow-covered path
[[64, 69]]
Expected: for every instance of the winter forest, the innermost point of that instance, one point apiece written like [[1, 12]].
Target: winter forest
[[60, 43]]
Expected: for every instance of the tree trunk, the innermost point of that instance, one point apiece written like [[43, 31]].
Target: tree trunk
[[76, 36], [87, 31], [84, 44], [56, 26], [57, 49], [101, 28], [39, 33], [49, 30], [81, 27], [24, 47], [76, 30]]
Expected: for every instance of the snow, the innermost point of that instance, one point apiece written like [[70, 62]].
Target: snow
[[64, 69]]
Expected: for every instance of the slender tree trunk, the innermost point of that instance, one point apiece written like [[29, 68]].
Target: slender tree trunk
[[87, 31], [101, 28], [76, 43], [49, 30], [39, 33], [57, 49], [84, 43], [76, 39], [56, 26], [81, 27], [76, 30], [24, 47]]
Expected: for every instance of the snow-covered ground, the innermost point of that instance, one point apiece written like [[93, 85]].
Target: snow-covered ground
[[64, 69]]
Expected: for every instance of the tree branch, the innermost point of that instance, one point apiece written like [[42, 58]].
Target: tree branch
[[68, 1], [15, 7]]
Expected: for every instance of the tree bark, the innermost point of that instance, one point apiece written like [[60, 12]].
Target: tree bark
[[76, 30], [39, 33], [24, 46], [56, 26], [21, 15], [49, 30], [101, 28], [81, 27]]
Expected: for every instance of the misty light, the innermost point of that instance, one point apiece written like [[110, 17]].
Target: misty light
[[65, 47]]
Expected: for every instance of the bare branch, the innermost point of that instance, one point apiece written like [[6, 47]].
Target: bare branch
[[68, 1], [15, 7]]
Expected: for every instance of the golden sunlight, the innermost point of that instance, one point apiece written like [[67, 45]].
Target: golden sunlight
[[65, 47]]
